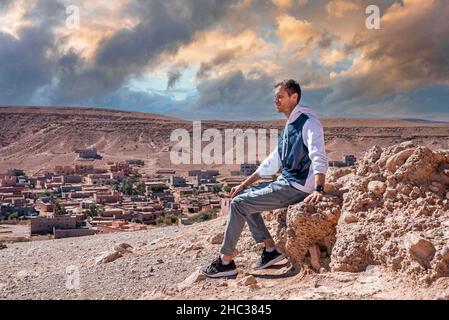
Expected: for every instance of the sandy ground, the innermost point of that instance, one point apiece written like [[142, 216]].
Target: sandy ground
[[9, 232], [162, 260]]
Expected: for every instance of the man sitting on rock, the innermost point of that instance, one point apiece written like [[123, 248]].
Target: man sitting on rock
[[302, 158]]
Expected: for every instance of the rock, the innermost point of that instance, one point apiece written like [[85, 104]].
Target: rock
[[390, 193], [377, 187], [216, 239], [315, 254], [305, 225], [3, 246], [25, 274], [398, 159], [195, 277], [350, 218], [193, 247], [123, 248], [249, 280], [107, 257], [445, 254], [434, 189], [447, 196], [373, 154], [421, 201], [419, 248]]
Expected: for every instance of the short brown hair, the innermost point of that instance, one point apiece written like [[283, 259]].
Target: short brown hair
[[291, 86]]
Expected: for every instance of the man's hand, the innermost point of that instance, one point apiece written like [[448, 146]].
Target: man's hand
[[313, 198], [236, 190]]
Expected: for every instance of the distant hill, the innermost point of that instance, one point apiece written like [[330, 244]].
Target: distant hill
[[425, 121], [35, 138]]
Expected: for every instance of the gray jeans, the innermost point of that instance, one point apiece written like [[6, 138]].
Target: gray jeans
[[248, 205]]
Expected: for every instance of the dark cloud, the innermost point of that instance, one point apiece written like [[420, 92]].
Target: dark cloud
[[47, 13], [235, 96], [223, 57], [25, 65], [32, 65], [173, 77], [163, 27], [326, 40]]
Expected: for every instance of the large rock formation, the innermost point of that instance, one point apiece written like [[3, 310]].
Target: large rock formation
[[391, 210], [305, 231]]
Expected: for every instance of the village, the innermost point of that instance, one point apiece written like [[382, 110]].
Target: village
[[85, 199]]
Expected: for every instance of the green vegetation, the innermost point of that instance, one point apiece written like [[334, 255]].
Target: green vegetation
[[204, 216], [227, 189], [13, 216], [216, 189], [135, 220], [141, 188], [59, 209], [93, 210], [167, 220], [127, 187]]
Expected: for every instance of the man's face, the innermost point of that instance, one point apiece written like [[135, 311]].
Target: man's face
[[282, 101]]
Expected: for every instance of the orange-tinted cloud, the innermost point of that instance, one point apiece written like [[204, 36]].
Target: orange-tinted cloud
[[410, 51], [297, 35]]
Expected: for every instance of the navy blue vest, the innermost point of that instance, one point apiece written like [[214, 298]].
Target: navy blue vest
[[296, 164]]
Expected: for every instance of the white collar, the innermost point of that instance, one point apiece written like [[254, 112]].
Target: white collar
[[296, 112]]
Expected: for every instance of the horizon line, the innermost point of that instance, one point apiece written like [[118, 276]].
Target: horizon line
[[109, 109]]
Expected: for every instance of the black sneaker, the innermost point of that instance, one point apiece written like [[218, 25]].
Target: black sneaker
[[267, 259], [217, 269]]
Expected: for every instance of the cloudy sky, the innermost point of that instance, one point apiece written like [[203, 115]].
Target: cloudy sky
[[219, 59]]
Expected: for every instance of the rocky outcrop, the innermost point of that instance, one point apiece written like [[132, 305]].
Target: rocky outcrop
[[304, 229], [390, 210]]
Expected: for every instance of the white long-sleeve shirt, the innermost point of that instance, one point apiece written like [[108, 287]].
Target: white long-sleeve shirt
[[313, 136]]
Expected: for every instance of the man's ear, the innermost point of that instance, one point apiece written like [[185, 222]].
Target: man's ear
[[294, 96]]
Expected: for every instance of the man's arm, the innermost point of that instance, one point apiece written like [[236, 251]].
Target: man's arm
[[314, 140], [248, 182], [268, 167]]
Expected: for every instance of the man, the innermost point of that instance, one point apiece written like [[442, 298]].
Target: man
[[301, 156]]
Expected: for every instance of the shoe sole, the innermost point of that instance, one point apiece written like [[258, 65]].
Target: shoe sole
[[221, 274], [269, 264]]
